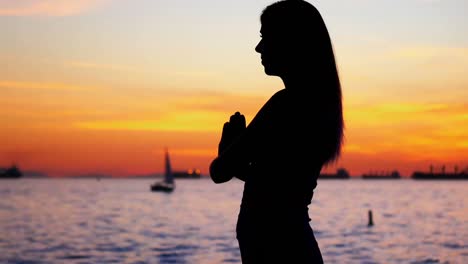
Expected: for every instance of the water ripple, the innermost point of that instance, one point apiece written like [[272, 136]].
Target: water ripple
[[120, 221]]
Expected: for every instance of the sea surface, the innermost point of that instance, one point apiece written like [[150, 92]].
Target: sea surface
[[122, 221]]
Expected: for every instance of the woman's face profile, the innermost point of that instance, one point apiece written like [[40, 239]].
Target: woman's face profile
[[273, 52]]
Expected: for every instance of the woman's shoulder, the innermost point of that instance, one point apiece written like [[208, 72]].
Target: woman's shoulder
[[289, 94], [279, 94], [282, 98], [291, 101]]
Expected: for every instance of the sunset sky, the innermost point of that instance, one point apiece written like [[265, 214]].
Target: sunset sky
[[102, 86]]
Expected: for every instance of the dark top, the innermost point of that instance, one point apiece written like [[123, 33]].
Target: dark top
[[283, 159], [279, 156]]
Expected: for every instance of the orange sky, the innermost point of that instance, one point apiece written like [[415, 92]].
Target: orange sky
[[103, 86]]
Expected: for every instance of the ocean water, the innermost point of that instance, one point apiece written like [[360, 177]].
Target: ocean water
[[122, 221]]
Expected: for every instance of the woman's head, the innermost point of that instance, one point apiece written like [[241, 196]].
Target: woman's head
[[296, 46], [294, 39]]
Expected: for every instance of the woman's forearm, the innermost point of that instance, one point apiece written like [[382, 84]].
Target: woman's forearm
[[218, 172]]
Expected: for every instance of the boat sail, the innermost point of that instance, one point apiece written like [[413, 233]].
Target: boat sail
[[168, 185]]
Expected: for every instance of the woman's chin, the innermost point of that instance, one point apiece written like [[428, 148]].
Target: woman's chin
[[271, 72]]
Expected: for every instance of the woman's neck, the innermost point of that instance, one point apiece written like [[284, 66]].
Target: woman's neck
[[297, 82]]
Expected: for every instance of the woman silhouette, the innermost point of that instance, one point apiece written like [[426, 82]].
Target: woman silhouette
[[280, 153]]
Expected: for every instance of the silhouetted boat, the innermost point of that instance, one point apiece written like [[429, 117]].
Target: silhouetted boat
[[168, 184], [375, 176], [441, 175], [10, 173], [340, 174]]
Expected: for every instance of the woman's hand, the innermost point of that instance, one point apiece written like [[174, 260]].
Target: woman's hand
[[231, 130], [225, 166]]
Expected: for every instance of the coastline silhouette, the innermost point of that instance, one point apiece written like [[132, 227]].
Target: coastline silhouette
[[281, 152]]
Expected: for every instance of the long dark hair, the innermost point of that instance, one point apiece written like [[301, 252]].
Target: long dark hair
[[301, 25]]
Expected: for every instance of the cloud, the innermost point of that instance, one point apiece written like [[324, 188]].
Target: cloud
[[98, 66], [47, 7], [418, 53], [428, 130], [43, 86], [172, 122]]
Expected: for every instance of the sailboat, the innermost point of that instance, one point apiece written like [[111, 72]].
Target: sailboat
[[168, 184]]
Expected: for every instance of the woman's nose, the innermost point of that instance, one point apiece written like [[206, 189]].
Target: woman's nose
[[259, 47]]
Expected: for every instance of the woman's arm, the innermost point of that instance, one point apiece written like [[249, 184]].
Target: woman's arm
[[232, 155], [229, 164], [234, 158], [220, 171]]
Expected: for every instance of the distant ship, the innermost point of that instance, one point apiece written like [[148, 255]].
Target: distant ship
[[189, 174], [442, 175], [340, 174], [168, 184], [10, 173], [382, 176]]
